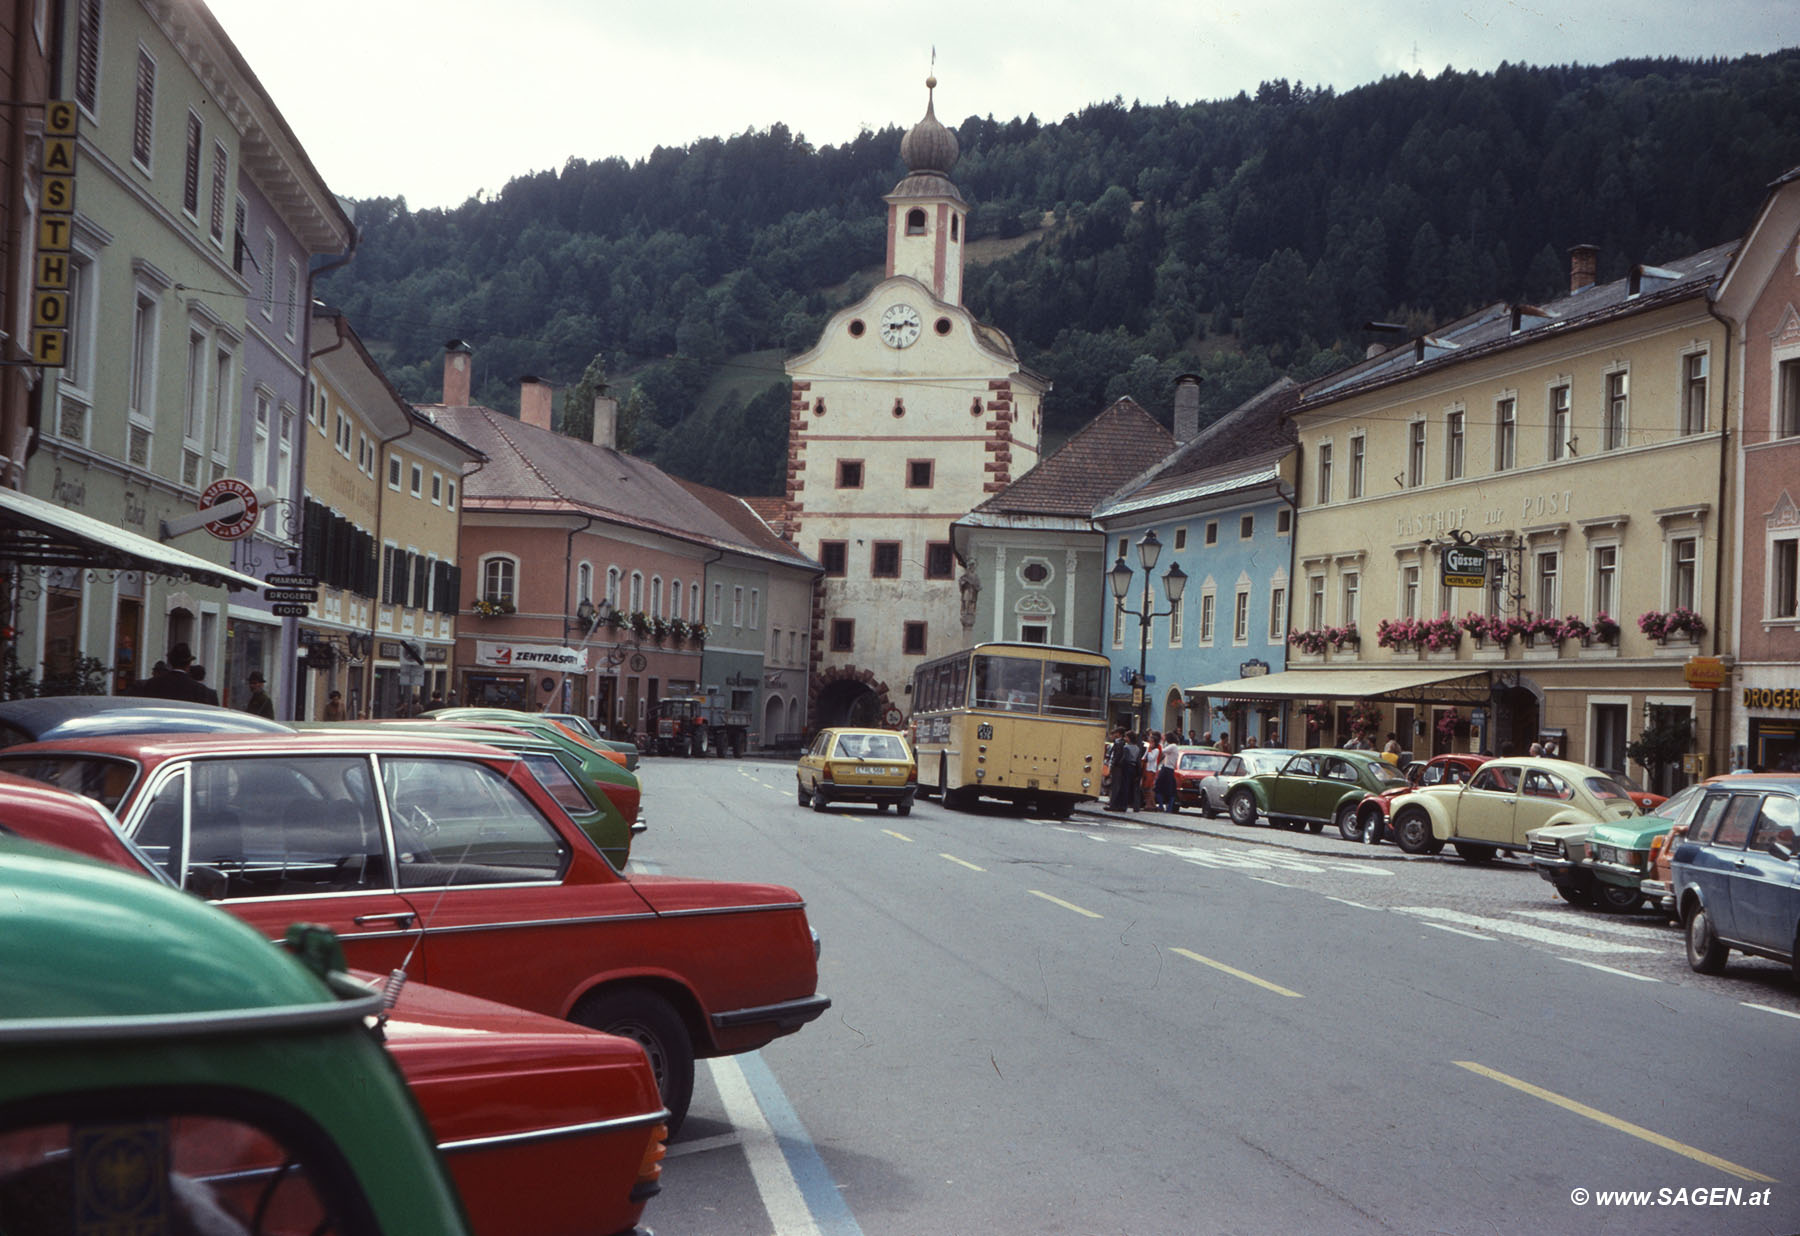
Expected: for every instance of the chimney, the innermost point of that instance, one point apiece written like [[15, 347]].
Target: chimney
[[1584, 261], [1187, 408], [606, 420], [459, 373], [535, 401]]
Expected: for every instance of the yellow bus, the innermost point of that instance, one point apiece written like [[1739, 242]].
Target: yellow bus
[[1025, 723]]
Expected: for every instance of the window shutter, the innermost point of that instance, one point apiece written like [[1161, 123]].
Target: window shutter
[[190, 174], [87, 56], [144, 120]]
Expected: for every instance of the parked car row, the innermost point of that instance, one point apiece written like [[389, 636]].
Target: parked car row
[[1722, 856], [458, 861]]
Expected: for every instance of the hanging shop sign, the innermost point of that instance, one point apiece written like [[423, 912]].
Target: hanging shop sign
[[52, 268], [517, 656]]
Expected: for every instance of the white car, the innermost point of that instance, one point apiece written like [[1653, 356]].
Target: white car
[[1217, 788]]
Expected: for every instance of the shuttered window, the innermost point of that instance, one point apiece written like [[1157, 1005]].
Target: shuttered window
[[190, 172], [87, 56], [217, 223], [143, 128]]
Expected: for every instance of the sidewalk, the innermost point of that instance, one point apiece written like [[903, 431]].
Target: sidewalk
[[1189, 820]]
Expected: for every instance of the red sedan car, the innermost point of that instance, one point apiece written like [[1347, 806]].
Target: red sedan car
[[448, 858], [1375, 810], [1192, 766], [546, 1127]]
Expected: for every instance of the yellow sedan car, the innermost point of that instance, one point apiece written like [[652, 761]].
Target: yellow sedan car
[[858, 766]]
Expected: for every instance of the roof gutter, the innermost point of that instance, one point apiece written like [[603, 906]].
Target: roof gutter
[[1717, 744]]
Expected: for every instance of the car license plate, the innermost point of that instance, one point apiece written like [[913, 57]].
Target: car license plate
[[869, 770]]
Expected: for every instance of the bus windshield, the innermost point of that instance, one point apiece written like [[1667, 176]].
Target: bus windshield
[[1010, 683], [1072, 690]]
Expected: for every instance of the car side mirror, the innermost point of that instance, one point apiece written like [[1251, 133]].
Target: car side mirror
[[1783, 850]]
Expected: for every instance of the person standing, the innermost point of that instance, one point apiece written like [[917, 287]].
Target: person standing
[[197, 672], [1165, 777], [259, 702], [1124, 772], [334, 706], [171, 680]]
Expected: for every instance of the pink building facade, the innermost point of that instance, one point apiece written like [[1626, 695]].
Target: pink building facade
[[1760, 296]]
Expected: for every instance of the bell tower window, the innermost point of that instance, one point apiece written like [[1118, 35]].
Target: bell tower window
[[915, 222]]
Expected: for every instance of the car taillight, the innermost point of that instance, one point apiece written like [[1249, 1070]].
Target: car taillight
[[827, 774], [649, 1173], [912, 772]]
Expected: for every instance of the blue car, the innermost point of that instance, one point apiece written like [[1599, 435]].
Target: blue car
[[1736, 875]]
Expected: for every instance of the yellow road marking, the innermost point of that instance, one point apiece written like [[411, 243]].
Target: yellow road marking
[[1613, 1122], [961, 862], [1067, 905], [897, 836], [1237, 973]]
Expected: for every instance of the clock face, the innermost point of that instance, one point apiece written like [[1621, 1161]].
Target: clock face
[[900, 326]]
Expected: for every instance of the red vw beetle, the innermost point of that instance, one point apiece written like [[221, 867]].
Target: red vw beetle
[[1438, 770], [450, 859]]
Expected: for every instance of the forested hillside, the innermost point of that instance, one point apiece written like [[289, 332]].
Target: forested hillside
[[1240, 238]]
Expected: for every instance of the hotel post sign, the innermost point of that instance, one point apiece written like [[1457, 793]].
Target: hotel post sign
[[55, 235]]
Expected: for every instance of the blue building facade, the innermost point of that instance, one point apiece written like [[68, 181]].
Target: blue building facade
[[1222, 509]]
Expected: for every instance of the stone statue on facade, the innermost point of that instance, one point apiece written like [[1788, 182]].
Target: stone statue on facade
[[971, 589]]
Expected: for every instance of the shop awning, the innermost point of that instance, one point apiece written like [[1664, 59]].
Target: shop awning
[[1443, 685], [34, 532]]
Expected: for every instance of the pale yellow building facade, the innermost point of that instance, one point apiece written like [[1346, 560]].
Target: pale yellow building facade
[[1576, 446]]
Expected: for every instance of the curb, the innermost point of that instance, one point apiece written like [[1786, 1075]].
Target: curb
[[1264, 836]]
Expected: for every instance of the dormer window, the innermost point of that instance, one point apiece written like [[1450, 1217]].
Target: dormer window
[[915, 222]]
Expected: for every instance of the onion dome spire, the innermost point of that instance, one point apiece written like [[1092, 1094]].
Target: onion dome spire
[[928, 146]]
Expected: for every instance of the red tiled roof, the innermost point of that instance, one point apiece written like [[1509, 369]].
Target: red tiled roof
[[1106, 453], [538, 471]]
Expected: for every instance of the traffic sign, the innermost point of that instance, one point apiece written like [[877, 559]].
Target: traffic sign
[[1464, 566]]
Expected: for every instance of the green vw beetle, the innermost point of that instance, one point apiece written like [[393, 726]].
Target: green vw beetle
[[163, 1069], [1314, 788]]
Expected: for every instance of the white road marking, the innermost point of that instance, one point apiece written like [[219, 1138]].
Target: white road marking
[[1768, 1009], [1594, 965], [1438, 917], [1276, 883], [1574, 918], [1240, 859], [1347, 902], [961, 862], [1459, 931], [788, 1212], [1067, 905]]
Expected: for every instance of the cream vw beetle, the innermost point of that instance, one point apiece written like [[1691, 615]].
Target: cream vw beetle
[[1504, 800]]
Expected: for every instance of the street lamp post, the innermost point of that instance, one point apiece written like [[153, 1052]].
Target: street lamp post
[[1174, 584]]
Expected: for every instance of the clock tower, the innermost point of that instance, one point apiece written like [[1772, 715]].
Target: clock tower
[[927, 217], [904, 416]]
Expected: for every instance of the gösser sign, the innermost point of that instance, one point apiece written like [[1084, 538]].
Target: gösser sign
[[1464, 567]]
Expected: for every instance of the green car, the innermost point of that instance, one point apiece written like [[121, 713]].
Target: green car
[[1314, 788], [583, 728], [1604, 865], [576, 779], [163, 1069]]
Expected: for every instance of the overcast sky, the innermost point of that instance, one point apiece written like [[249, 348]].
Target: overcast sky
[[434, 100]]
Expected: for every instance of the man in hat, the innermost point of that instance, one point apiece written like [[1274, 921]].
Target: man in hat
[[259, 701], [172, 681]]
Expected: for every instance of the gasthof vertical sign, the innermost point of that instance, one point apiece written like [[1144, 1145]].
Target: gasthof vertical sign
[[55, 235]]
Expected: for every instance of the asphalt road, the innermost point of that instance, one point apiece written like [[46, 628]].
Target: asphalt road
[[1112, 1026]]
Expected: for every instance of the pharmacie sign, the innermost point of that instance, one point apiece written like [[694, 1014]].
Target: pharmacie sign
[[527, 656]]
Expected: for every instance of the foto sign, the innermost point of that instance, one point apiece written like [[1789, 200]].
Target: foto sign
[[1464, 566]]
